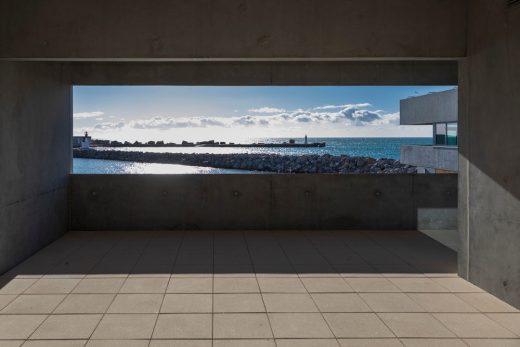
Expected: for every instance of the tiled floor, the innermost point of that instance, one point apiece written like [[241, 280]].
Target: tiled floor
[[258, 289]]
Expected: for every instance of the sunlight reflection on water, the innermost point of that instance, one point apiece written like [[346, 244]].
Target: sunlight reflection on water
[[95, 166]]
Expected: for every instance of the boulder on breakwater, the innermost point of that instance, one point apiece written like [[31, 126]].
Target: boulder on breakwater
[[326, 163]]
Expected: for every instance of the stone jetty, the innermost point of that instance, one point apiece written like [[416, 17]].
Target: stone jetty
[[259, 162]]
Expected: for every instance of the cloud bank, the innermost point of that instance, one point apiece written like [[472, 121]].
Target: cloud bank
[[337, 116]]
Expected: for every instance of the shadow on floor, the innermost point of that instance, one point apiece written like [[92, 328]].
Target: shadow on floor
[[315, 253]]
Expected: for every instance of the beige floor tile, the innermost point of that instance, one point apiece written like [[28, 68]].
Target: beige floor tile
[[473, 325], [55, 343], [11, 343], [493, 342], [510, 321], [19, 326], [307, 343], [117, 343], [441, 302], [238, 303], [457, 285], [433, 343], [357, 325], [192, 270], [235, 285], [145, 285], [281, 285], [67, 327], [485, 302], [390, 302], [85, 303], [417, 325], [136, 303], [372, 285], [33, 304], [6, 299], [190, 285], [285, 302], [183, 326], [99, 285], [53, 286], [370, 343], [125, 326], [299, 325], [16, 285], [241, 326], [181, 343], [187, 303], [340, 302], [326, 285], [244, 343], [418, 284]]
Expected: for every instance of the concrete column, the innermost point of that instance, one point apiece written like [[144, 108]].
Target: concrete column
[[489, 185], [35, 157]]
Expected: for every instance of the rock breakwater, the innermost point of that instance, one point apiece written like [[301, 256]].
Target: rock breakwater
[[259, 162]]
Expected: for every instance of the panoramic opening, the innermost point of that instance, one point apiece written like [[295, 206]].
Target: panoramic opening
[[246, 129]]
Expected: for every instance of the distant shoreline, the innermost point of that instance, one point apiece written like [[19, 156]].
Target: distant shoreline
[[212, 144]]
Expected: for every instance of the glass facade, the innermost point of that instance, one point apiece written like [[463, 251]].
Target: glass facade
[[445, 134]]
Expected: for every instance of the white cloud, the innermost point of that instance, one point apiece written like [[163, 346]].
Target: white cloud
[[109, 126], [80, 115], [332, 107], [166, 123], [267, 110]]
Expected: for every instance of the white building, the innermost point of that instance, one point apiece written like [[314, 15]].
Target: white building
[[81, 141], [441, 111]]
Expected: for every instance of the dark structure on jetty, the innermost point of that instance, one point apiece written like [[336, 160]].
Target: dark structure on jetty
[[211, 143]]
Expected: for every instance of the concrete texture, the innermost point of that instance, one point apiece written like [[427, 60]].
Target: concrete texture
[[440, 107], [266, 73], [104, 202], [299, 288], [490, 156], [35, 129], [232, 29], [438, 157]]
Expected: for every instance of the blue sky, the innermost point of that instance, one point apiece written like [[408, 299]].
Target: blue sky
[[174, 113]]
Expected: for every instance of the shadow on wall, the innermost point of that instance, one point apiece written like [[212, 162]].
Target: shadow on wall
[[256, 202]]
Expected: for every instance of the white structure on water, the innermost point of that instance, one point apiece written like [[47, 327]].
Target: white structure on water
[[81, 141]]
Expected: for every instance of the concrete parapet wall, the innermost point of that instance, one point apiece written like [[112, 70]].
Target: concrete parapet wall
[[437, 157], [214, 202]]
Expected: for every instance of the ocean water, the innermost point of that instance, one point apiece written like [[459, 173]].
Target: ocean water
[[366, 147]]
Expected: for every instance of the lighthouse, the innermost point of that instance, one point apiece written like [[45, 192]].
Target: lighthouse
[[306, 142]]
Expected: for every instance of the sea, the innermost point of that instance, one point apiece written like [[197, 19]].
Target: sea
[[375, 147]]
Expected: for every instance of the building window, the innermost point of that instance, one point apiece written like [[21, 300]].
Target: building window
[[452, 138], [445, 134], [440, 133]]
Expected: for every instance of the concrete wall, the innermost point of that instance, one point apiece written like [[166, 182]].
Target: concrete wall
[[489, 167], [232, 29], [266, 73], [35, 158], [431, 108], [105, 202], [436, 157]]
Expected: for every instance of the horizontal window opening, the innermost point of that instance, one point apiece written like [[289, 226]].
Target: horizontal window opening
[[247, 129]]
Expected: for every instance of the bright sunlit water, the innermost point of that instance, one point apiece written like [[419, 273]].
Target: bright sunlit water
[[365, 147]]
